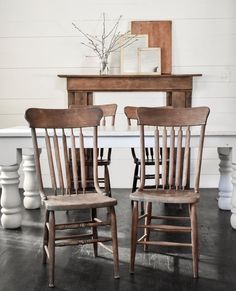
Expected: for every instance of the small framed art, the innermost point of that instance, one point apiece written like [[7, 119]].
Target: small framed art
[[149, 60], [129, 53]]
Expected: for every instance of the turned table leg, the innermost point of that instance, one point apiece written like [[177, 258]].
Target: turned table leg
[[31, 189], [10, 199], [233, 210], [225, 183]]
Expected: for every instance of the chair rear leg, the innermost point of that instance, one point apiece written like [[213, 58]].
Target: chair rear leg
[[133, 236], [51, 248], [45, 237], [95, 232], [114, 243], [107, 181], [135, 178], [194, 238]]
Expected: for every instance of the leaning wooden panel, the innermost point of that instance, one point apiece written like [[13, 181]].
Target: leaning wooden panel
[[159, 35]]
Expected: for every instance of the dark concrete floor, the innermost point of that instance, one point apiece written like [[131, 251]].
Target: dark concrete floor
[[77, 269]]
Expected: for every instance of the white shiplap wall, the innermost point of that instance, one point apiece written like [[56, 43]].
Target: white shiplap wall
[[38, 42]]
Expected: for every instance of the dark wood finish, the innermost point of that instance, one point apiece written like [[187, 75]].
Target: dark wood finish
[[172, 131], [178, 87], [159, 35], [104, 155], [62, 125]]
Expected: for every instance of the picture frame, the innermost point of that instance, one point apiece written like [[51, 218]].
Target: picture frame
[[149, 60], [129, 54]]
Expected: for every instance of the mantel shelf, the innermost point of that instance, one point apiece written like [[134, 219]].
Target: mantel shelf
[[178, 87]]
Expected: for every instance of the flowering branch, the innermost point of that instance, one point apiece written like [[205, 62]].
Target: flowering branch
[[109, 42]]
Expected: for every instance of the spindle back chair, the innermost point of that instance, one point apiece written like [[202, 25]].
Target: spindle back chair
[[55, 131], [172, 129]]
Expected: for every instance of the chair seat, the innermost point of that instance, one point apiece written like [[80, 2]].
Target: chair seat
[[165, 196], [80, 201]]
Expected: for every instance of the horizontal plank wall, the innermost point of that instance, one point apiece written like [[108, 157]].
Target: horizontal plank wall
[[38, 42]]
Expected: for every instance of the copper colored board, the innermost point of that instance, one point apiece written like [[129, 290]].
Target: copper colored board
[[159, 35]]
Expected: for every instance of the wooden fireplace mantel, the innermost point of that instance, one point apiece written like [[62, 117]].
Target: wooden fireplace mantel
[[178, 88]]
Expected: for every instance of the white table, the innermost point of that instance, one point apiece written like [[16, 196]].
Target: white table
[[16, 146]]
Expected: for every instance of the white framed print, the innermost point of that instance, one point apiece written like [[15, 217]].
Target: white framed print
[[149, 60], [129, 54]]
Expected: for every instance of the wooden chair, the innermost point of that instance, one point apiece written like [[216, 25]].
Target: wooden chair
[[57, 130], [104, 155], [169, 131]]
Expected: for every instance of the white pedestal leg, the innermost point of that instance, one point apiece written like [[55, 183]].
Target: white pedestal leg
[[225, 183], [10, 199], [32, 198], [233, 210]]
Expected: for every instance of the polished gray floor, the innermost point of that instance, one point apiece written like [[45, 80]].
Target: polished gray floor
[[159, 269]]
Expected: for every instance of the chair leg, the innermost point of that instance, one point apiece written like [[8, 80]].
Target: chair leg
[[51, 248], [45, 237], [135, 179], [194, 238], [107, 181], [147, 221], [114, 243], [142, 207], [133, 236], [95, 232]]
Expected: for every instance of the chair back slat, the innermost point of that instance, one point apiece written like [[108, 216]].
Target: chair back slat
[[157, 154], [164, 157], [82, 162], [173, 133], [142, 155], [56, 139], [74, 162], [67, 163], [186, 158], [179, 159], [171, 158], [151, 154], [58, 161], [50, 162]]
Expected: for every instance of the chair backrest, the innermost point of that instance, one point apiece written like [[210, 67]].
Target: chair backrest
[[173, 133], [57, 131], [131, 113], [108, 110]]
